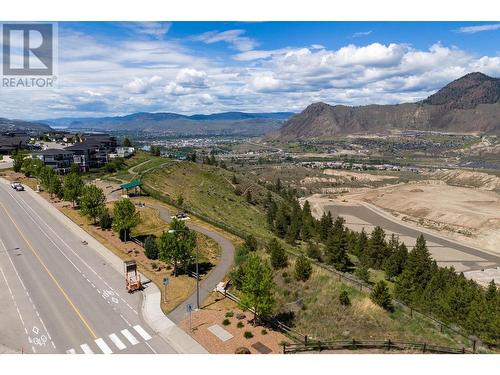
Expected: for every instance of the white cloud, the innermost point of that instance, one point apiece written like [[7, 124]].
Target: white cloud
[[232, 37], [361, 33], [479, 28], [154, 29], [102, 77]]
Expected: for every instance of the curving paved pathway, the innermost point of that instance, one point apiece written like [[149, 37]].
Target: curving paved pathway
[[215, 276]]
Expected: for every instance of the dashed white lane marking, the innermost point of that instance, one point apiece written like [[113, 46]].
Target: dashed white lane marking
[[69, 247], [119, 343], [103, 346], [86, 349], [71, 351], [146, 336], [130, 337]]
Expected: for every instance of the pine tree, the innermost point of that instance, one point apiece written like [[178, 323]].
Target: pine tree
[[336, 251], [394, 265], [361, 244], [303, 268], [381, 296], [363, 273], [325, 225], [344, 298], [279, 258], [491, 291], [377, 250]]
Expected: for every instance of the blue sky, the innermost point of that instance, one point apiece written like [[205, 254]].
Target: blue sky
[[112, 68]]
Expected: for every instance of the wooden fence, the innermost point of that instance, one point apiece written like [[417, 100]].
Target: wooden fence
[[318, 346]]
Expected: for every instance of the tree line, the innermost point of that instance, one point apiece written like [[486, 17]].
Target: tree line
[[418, 281]]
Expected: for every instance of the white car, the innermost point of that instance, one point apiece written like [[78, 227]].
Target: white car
[[19, 187], [15, 184]]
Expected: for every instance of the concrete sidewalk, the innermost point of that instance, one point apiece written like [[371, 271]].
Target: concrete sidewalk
[[150, 310]]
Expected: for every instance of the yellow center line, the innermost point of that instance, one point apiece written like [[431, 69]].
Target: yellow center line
[[84, 321]]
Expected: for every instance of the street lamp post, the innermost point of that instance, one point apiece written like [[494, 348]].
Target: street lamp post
[[197, 269]]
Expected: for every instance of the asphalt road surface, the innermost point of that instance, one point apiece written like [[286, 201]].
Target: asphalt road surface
[[59, 295], [216, 274], [446, 253]]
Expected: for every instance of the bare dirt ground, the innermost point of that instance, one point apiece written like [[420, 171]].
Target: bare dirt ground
[[470, 215], [483, 181], [358, 176]]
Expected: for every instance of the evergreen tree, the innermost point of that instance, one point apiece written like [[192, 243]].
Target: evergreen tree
[[491, 291], [381, 296], [336, 251], [281, 222], [416, 273], [150, 248], [279, 259], [325, 226], [363, 273], [344, 298], [313, 251], [361, 244], [251, 243], [377, 250], [303, 268], [394, 265]]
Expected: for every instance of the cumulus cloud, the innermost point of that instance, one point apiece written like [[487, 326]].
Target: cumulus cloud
[[479, 28], [234, 38], [100, 77]]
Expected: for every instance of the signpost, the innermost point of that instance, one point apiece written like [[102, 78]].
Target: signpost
[[189, 310], [166, 281]]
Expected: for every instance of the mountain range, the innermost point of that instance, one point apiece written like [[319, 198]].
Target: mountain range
[[470, 104], [225, 123], [7, 125]]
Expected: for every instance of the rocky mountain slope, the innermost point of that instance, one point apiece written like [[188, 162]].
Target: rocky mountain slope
[[7, 125], [470, 104]]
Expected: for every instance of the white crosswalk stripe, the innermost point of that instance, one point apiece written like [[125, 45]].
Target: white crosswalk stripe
[[130, 337], [86, 349], [103, 346], [141, 331], [119, 343]]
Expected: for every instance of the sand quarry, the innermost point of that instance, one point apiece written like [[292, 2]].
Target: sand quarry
[[470, 215]]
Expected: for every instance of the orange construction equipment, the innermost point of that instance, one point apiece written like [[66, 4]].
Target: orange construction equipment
[[132, 277]]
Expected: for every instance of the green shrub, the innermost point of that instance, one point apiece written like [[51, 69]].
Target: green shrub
[[229, 314], [264, 332], [240, 325], [226, 322], [248, 335], [344, 298]]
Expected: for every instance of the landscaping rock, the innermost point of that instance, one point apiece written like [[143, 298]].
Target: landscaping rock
[[242, 350], [240, 316]]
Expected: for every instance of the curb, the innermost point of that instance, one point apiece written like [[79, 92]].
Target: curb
[[150, 309]]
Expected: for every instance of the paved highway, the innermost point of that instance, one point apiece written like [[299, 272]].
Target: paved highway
[[59, 295]]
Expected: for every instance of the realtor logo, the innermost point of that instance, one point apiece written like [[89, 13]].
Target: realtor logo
[[28, 55], [27, 49]]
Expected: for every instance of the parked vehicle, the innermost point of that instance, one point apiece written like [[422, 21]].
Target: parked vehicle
[[15, 184], [19, 187]]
